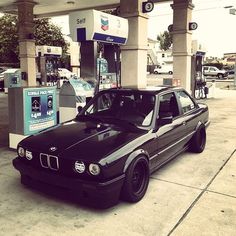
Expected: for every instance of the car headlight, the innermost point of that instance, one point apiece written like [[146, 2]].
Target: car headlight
[[21, 151], [79, 167], [94, 169], [28, 155]]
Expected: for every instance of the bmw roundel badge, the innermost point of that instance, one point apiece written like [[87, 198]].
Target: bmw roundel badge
[[52, 149]]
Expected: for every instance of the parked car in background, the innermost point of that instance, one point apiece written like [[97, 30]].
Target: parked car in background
[[163, 69], [231, 74], [215, 72], [65, 73], [118, 139], [2, 72]]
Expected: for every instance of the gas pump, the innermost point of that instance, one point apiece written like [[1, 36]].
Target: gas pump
[[32, 109], [106, 79], [109, 31], [108, 70], [48, 61], [199, 82]]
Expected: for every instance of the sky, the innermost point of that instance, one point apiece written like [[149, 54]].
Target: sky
[[216, 27]]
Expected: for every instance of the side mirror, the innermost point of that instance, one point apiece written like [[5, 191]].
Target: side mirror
[[79, 109]]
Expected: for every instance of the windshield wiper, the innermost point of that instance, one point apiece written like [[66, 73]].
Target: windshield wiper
[[120, 122], [89, 118]]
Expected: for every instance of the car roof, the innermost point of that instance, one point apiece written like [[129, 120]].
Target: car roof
[[150, 89]]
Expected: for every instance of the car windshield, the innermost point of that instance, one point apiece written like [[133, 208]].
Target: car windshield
[[121, 107]]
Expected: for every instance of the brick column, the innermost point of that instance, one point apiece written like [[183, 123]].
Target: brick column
[[26, 40], [182, 40], [134, 53]]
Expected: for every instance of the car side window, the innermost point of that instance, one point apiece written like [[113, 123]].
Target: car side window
[[168, 105], [186, 102]]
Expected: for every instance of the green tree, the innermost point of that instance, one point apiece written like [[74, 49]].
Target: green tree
[[45, 33], [165, 40], [8, 39], [49, 34]]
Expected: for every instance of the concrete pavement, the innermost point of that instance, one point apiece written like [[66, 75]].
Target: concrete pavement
[[193, 195]]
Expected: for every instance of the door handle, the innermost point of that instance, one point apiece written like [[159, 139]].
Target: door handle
[[184, 123]]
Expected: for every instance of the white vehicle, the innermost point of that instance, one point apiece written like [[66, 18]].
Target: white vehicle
[[64, 73], [214, 71], [163, 69]]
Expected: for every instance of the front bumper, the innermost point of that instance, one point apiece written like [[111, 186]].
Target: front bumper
[[96, 194]]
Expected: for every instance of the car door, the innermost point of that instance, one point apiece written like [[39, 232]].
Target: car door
[[189, 110], [212, 71], [169, 136]]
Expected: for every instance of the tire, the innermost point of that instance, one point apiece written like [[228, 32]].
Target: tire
[[220, 76], [198, 141], [136, 180], [170, 72], [155, 72]]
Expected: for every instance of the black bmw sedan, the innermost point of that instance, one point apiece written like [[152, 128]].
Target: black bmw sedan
[[113, 145]]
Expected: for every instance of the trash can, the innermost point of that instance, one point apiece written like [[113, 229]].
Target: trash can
[[12, 79], [72, 98]]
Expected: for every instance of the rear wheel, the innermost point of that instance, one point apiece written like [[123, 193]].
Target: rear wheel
[[170, 72], [136, 180], [220, 76], [198, 141]]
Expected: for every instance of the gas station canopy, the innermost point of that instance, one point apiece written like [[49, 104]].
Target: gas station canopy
[[46, 8], [98, 26]]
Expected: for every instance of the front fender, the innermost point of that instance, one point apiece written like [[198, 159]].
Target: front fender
[[133, 155]]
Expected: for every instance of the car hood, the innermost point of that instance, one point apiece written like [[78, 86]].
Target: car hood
[[80, 139]]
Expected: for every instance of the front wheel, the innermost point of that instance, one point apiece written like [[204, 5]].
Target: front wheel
[[170, 72], [136, 180]]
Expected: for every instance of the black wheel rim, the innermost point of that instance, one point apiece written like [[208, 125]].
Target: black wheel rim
[[139, 178]]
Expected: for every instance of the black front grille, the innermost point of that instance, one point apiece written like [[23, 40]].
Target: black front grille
[[44, 160], [49, 161], [54, 164]]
